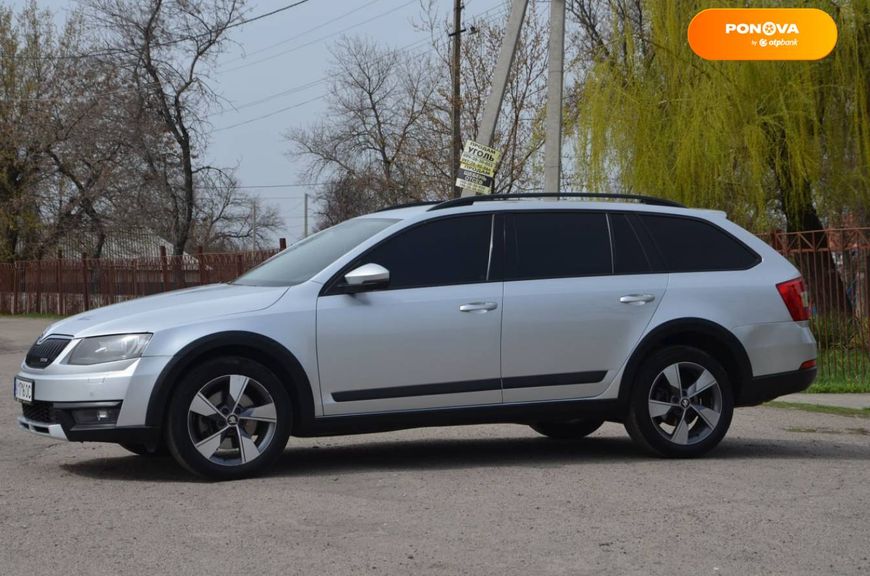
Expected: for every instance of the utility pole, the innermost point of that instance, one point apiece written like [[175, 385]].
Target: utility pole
[[503, 65], [456, 105], [305, 218], [254, 223], [506, 54], [553, 141]]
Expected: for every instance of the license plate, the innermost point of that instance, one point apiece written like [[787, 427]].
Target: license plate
[[23, 390]]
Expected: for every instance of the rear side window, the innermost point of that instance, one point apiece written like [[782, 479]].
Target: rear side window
[[688, 245], [437, 253], [557, 245], [629, 253]]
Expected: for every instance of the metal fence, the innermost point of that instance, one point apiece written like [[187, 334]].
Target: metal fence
[[835, 264], [69, 286]]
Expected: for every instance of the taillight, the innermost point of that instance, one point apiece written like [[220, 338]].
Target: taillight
[[796, 299]]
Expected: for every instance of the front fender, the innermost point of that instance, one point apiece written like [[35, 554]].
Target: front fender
[[255, 346]]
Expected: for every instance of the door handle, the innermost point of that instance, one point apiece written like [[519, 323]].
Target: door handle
[[478, 307], [637, 299]]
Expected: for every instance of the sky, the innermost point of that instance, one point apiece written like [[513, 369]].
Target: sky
[[274, 73]]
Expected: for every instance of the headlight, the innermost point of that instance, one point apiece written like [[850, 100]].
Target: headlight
[[101, 349]]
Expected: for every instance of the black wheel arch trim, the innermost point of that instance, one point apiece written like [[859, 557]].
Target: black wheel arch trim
[[659, 336], [277, 358]]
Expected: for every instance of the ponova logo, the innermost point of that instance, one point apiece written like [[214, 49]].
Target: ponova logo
[[767, 28], [762, 34]]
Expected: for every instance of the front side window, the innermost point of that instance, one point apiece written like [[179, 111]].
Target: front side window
[[301, 261], [558, 245], [437, 253]]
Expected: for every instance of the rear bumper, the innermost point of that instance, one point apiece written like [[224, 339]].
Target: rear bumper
[[764, 388]]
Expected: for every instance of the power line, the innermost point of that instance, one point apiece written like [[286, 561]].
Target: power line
[[115, 51], [484, 16], [326, 79], [265, 99], [265, 15], [301, 34], [297, 185], [317, 40], [268, 115]]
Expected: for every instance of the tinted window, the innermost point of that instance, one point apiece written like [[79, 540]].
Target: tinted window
[[688, 245], [558, 245], [629, 254], [448, 251], [304, 259]]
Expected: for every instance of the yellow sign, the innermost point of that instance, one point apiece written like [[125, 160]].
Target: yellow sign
[[477, 167]]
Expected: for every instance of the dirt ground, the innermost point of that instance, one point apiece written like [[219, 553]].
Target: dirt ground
[[787, 492]]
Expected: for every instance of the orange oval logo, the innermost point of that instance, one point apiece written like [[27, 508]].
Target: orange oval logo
[[762, 34]]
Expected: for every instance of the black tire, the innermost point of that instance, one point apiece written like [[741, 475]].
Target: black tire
[[684, 430], [159, 451], [567, 429], [183, 423]]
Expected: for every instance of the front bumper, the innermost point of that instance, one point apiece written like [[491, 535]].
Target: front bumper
[[60, 389], [42, 428], [128, 381], [763, 388], [56, 420]]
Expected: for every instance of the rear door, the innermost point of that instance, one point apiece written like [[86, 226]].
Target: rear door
[[575, 302]]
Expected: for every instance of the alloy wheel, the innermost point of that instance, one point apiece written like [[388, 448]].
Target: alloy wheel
[[232, 420], [685, 403]]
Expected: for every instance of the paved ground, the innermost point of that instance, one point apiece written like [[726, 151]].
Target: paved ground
[[839, 400], [786, 493]]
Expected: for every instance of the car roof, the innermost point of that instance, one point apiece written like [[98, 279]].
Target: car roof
[[406, 212]]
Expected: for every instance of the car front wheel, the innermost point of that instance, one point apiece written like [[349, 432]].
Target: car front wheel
[[681, 404], [229, 418]]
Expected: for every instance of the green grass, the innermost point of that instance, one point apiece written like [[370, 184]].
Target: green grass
[[834, 364], [826, 430], [818, 408], [34, 315]]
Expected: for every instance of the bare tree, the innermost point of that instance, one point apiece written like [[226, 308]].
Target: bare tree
[[89, 148], [520, 128], [377, 102], [167, 48], [345, 196], [228, 219], [387, 136]]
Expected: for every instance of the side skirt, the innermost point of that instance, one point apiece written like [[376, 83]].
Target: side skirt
[[527, 413]]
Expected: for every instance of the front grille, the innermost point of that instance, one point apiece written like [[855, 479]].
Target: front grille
[[40, 412], [43, 353]]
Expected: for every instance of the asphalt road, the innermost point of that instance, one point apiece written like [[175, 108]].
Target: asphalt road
[[787, 492]]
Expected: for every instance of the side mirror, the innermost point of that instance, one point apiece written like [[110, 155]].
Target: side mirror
[[366, 277]]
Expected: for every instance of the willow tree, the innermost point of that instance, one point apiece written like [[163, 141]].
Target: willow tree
[[773, 143]]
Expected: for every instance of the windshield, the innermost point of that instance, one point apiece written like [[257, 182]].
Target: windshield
[[301, 261]]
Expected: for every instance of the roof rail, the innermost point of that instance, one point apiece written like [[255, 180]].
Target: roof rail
[[409, 205], [467, 200]]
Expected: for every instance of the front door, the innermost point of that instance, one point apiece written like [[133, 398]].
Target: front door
[[430, 338]]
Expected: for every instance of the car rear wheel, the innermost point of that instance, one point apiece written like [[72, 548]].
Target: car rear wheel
[[567, 429], [681, 404], [229, 418]]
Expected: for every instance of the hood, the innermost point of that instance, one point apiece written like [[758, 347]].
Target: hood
[[180, 307]]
